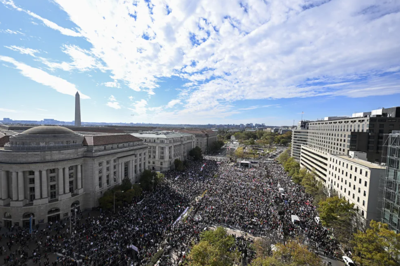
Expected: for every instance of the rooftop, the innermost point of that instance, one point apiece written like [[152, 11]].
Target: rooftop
[[48, 130], [361, 162], [109, 139], [160, 134]]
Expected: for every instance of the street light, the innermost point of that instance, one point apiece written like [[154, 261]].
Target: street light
[[114, 197]]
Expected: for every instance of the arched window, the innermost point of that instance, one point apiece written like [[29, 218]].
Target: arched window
[[75, 205], [28, 215], [7, 215], [54, 210]]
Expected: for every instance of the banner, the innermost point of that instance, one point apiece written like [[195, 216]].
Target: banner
[[180, 216]]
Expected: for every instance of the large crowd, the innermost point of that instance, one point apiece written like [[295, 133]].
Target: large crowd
[[259, 201]]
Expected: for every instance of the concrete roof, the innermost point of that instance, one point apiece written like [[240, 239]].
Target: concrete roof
[[160, 134], [361, 162]]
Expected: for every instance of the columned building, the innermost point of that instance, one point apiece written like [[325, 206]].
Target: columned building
[[204, 138], [47, 171], [166, 146]]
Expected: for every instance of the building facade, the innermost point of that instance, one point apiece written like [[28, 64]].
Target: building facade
[[47, 171], [204, 138], [362, 132], [391, 187], [314, 160], [356, 180], [166, 146]]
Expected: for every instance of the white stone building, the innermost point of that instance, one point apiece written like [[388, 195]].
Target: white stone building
[[166, 146], [204, 138], [356, 180], [47, 171]]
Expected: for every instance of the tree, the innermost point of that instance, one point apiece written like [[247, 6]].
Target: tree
[[214, 249], [338, 214], [291, 166], [178, 165], [298, 177], [196, 153], [292, 254], [377, 246], [125, 185], [147, 179], [310, 183], [284, 157], [216, 146], [239, 152], [106, 201], [251, 141], [127, 196]]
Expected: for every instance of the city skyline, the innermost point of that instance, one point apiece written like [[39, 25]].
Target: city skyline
[[197, 63]]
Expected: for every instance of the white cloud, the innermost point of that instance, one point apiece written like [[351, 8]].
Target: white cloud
[[130, 98], [7, 110], [47, 22], [139, 107], [42, 77], [112, 84], [268, 50], [23, 50], [40, 109], [113, 103], [11, 32], [173, 103]]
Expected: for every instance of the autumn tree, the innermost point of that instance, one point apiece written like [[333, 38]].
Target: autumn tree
[[377, 246], [283, 157], [291, 254], [214, 249], [239, 152], [338, 214]]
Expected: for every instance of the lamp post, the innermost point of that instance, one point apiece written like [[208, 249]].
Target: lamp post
[[114, 197]]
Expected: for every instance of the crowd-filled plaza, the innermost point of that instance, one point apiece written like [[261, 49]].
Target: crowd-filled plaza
[[259, 201]]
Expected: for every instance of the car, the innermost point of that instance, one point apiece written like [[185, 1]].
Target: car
[[348, 261]]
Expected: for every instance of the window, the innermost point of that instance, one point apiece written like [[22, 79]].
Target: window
[[31, 173], [100, 164], [52, 179], [365, 183], [360, 171], [31, 181], [52, 171], [366, 174], [363, 202], [365, 193], [355, 169], [358, 199], [71, 168]]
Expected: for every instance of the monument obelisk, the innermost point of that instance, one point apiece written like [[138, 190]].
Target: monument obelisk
[[77, 110]]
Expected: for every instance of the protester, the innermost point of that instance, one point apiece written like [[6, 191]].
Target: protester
[[213, 194]]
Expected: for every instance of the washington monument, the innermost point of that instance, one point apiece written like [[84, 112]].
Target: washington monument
[[77, 110]]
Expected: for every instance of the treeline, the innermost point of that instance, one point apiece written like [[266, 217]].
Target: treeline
[[376, 246], [258, 137]]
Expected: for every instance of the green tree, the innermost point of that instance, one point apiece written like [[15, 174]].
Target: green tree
[[196, 153], [125, 185], [214, 249], [251, 141], [239, 152], [291, 166], [283, 157], [377, 246], [106, 201], [310, 183], [292, 254], [178, 165], [147, 180], [298, 177], [338, 214]]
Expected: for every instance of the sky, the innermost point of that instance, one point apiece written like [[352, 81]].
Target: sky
[[198, 62]]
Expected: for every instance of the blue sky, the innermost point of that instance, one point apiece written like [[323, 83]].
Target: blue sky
[[198, 62]]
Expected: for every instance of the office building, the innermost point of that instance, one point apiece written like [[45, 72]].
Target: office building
[[391, 183], [357, 180], [166, 146], [47, 171]]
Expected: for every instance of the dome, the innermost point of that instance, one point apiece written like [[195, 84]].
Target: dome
[[48, 130]]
